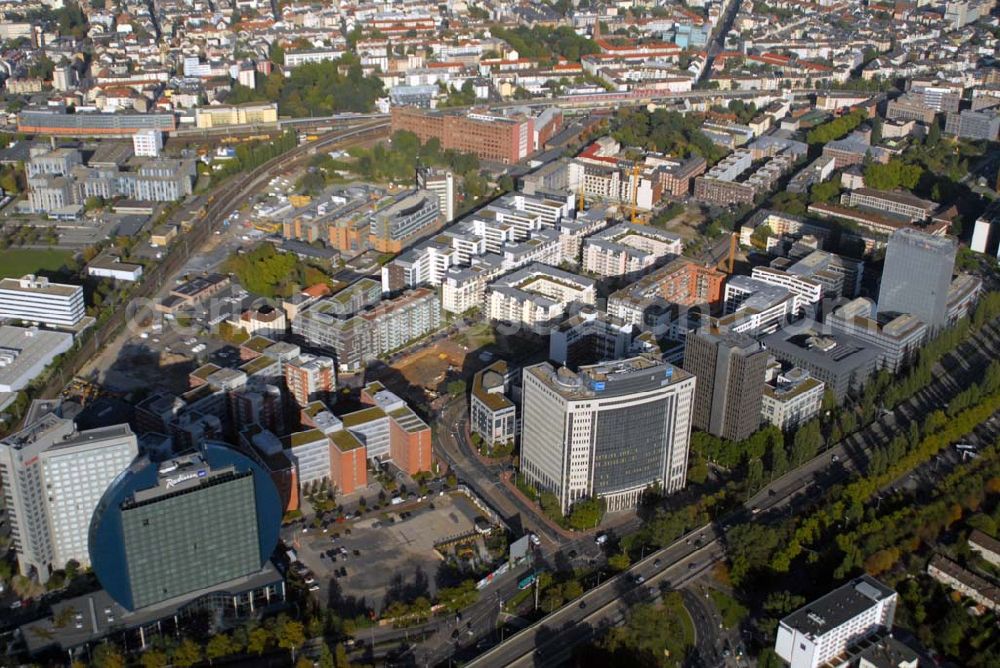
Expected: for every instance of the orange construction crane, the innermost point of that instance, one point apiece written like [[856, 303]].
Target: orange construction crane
[[728, 262], [581, 200], [635, 194]]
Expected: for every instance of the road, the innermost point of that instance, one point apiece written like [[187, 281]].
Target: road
[[484, 478], [552, 640], [707, 643], [719, 36]]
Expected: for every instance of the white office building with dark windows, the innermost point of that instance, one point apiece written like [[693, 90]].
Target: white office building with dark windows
[[53, 477], [817, 634], [36, 300], [609, 430]]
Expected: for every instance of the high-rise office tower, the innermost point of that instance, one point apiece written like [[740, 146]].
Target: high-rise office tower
[[917, 275], [202, 522], [730, 370], [609, 430], [53, 477]]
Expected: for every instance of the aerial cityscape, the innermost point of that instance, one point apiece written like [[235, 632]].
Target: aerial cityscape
[[487, 333]]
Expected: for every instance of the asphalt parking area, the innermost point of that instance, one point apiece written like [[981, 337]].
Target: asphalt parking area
[[380, 556]]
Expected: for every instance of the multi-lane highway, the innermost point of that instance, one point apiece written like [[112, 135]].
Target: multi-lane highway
[[552, 640]]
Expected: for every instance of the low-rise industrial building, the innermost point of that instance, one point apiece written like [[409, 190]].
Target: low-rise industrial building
[[25, 352]]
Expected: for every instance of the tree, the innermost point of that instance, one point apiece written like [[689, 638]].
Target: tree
[[325, 658], [276, 54], [933, 134], [218, 646], [232, 333], [893, 174], [9, 181], [459, 597], [881, 561], [778, 459], [806, 442], [586, 514], [780, 603], [25, 587], [154, 658], [759, 236], [340, 656], [552, 599], [652, 636], [697, 469], [837, 128], [755, 474], [791, 203], [876, 124], [619, 562], [42, 68], [266, 271], [107, 655], [290, 634], [186, 654], [258, 640], [571, 589], [456, 388], [825, 191], [550, 506]]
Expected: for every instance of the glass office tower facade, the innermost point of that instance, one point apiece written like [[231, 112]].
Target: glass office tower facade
[[200, 523], [917, 275], [175, 543]]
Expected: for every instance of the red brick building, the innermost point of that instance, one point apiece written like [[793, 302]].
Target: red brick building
[[409, 441], [688, 283], [491, 137], [348, 462], [409, 436], [310, 378]]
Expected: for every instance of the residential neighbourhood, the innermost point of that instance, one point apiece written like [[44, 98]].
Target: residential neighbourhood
[[492, 333]]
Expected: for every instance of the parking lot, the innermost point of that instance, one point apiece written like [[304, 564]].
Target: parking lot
[[380, 556]]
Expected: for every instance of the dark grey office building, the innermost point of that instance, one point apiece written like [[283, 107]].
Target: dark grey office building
[[843, 362], [174, 540], [730, 371], [176, 531], [917, 275]]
